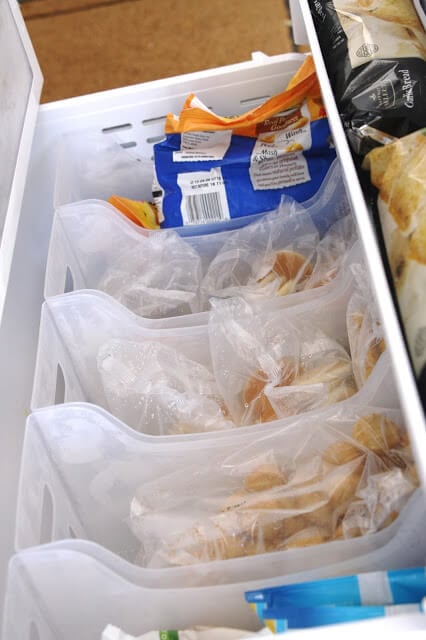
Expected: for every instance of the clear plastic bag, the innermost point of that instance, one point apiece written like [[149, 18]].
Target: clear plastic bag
[[331, 251], [343, 477], [268, 367], [158, 278], [365, 331], [272, 256], [158, 390], [95, 165], [278, 255]]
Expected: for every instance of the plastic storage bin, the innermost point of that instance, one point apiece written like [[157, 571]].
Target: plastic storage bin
[[73, 589], [75, 326], [81, 468], [143, 107], [91, 240]]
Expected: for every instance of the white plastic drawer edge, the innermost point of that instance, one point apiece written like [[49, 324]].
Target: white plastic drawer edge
[[21, 82]]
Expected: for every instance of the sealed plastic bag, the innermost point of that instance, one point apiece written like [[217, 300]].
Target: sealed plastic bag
[[398, 170], [365, 331], [212, 168], [266, 367], [278, 255], [375, 53], [279, 621], [155, 389], [290, 489], [400, 586], [281, 253], [272, 256], [159, 278]]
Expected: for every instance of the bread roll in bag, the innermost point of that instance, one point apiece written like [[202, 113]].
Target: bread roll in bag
[[398, 170]]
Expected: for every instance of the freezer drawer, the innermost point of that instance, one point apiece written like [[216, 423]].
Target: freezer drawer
[[138, 114]]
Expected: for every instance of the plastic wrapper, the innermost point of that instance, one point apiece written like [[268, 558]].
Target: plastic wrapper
[[267, 367], [142, 213], [398, 170], [278, 255], [289, 490], [211, 168], [270, 257], [375, 53], [400, 586], [155, 389], [196, 633], [279, 621], [365, 331], [159, 278]]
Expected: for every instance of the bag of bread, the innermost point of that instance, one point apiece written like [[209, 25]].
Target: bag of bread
[[155, 389], [347, 474], [270, 257], [398, 171], [375, 54], [210, 168], [365, 331], [294, 248], [159, 278], [268, 366]]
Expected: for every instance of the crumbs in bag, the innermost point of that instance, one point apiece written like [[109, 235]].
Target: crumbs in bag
[[319, 484], [269, 367]]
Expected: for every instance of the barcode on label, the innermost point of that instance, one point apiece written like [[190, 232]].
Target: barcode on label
[[203, 207], [203, 197]]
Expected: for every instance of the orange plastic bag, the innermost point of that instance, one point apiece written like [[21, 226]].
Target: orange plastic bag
[[303, 86]]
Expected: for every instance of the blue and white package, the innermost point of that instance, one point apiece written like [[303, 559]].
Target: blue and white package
[[240, 182], [280, 620], [402, 586], [212, 168]]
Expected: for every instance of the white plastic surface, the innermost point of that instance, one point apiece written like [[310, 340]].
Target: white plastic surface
[[20, 82], [300, 36], [407, 389], [421, 10]]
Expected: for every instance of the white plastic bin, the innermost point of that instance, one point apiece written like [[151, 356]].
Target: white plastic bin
[[81, 469], [142, 109], [76, 325], [91, 240], [73, 589]]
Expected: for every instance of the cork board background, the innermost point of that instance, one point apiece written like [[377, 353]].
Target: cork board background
[[85, 46]]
